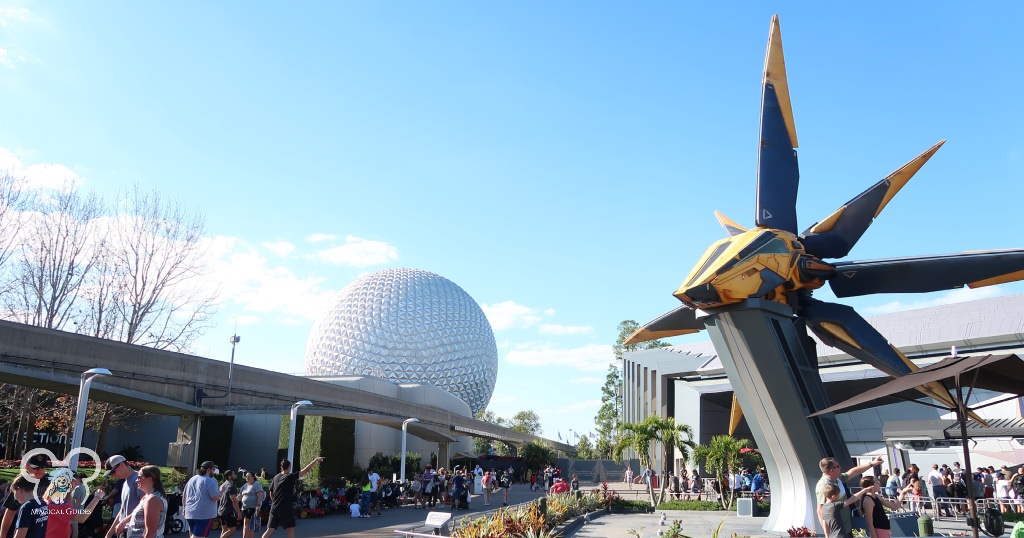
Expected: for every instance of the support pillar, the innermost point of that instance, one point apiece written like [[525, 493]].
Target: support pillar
[[183, 454], [444, 454], [773, 368]]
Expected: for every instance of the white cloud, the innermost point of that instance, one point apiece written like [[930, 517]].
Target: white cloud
[[509, 315], [318, 238], [37, 176], [13, 14], [565, 329], [549, 312], [588, 358], [955, 296], [281, 248], [358, 252], [246, 278], [576, 407], [587, 381]]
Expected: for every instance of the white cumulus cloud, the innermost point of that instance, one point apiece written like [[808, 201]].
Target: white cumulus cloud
[[248, 279], [510, 315], [319, 238], [37, 176], [358, 252], [955, 296], [281, 248]]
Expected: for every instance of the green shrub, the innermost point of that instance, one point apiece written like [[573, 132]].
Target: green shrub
[[695, 505], [638, 505]]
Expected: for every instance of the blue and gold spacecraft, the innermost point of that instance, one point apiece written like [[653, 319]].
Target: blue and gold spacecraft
[[775, 262]]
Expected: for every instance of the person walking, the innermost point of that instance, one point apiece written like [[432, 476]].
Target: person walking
[[117, 466], [505, 483], [629, 476], [199, 500], [487, 484], [228, 509], [252, 498], [282, 497], [430, 483], [30, 519], [148, 518]]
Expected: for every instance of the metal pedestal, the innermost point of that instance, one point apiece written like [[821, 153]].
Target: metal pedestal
[[772, 366]]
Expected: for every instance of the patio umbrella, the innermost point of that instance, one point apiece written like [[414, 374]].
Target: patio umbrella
[[1000, 373]]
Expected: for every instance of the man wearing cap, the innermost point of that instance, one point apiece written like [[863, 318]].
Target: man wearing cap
[[117, 466], [199, 500], [36, 466]]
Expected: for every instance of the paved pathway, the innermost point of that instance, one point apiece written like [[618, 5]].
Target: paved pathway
[[695, 524]]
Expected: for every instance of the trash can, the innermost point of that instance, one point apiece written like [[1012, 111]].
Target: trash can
[[924, 526]]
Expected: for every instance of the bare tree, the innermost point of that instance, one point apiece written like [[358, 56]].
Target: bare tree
[[156, 246], [13, 202], [55, 254]]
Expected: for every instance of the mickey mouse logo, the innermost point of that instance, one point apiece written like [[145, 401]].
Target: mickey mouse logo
[[60, 479]]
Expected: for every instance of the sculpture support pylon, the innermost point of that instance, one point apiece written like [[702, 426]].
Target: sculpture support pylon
[[773, 368]]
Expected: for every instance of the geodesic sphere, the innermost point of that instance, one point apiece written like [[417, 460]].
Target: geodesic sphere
[[410, 326]]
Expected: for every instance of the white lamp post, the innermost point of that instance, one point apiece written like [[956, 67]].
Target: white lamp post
[[291, 431], [405, 426], [83, 406]]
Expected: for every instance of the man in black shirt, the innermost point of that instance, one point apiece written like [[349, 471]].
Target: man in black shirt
[[228, 511], [282, 498]]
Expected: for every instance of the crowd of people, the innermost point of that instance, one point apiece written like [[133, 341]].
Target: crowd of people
[[211, 499], [942, 489], [689, 484]]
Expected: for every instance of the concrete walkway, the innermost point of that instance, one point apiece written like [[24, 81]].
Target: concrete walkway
[[695, 524], [703, 524]]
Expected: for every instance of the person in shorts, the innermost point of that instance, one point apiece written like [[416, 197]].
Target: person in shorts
[[199, 500], [251, 499], [228, 510], [282, 498]]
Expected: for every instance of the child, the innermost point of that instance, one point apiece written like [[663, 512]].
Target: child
[[836, 526], [31, 520]]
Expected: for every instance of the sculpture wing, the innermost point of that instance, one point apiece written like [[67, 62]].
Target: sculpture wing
[[841, 327], [928, 273], [778, 175], [682, 320], [834, 236], [730, 225]]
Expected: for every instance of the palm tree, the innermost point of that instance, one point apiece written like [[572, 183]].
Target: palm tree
[[723, 454], [641, 436]]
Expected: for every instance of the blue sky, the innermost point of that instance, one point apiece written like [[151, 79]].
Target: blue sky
[[561, 161]]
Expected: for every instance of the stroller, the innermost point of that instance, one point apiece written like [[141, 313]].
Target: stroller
[[175, 522], [389, 496]]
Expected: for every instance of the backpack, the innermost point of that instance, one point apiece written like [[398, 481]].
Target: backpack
[[994, 522]]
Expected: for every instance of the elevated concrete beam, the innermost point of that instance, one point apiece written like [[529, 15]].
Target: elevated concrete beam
[[165, 382]]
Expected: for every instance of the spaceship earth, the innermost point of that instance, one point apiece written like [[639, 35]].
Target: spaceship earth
[[410, 326]]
